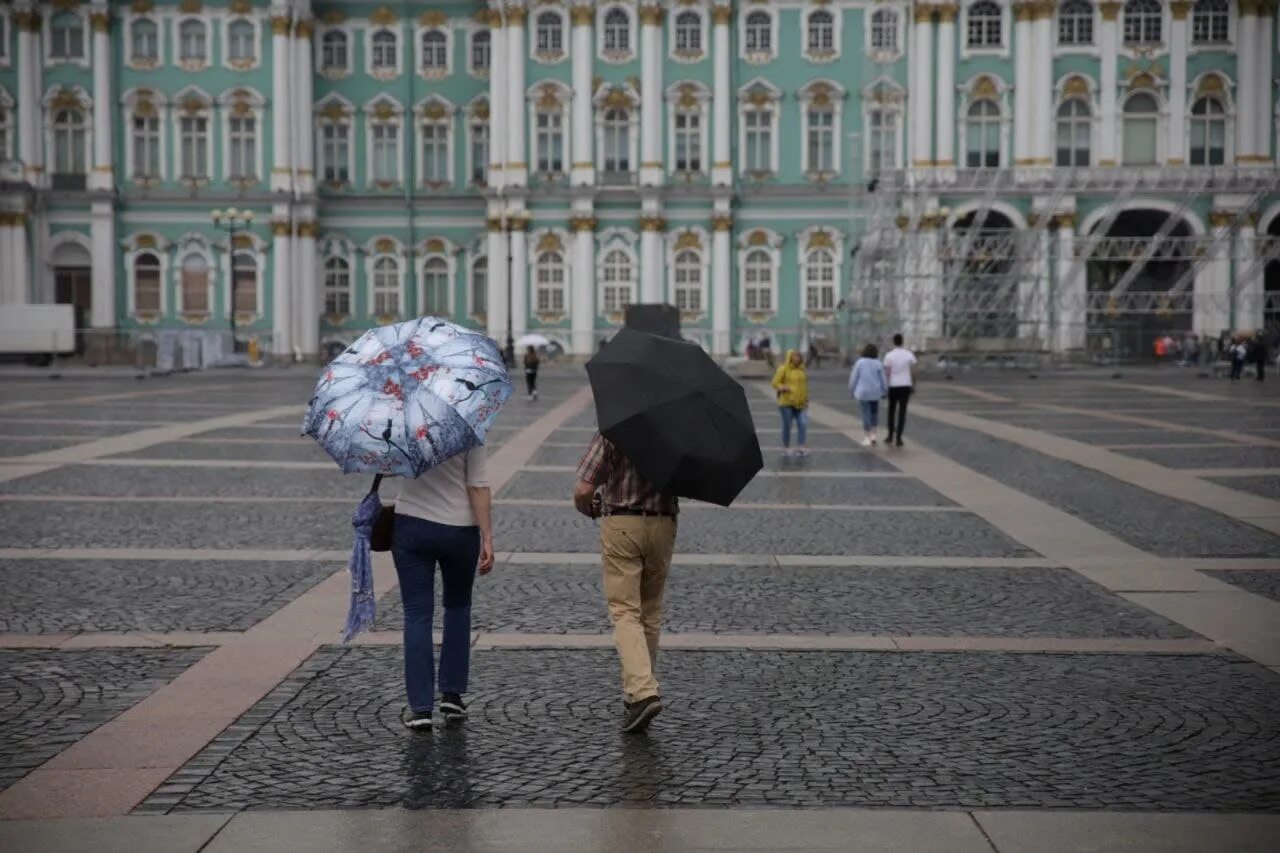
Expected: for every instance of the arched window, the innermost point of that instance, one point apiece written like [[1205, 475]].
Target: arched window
[[386, 287], [435, 288], [1208, 132], [617, 31], [1209, 22], [821, 131], [241, 46], [549, 32], [688, 33], [1075, 22], [1141, 126], [146, 284], [192, 41], [144, 41], [883, 149], [334, 54], [1074, 126], [242, 144], [69, 131], [435, 150], [6, 133], [619, 288], [982, 134], [66, 36], [244, 283], [822, 32], [549, 139], [195, 284], [759, 32], [884, 30], [480, 287], [435, 51], [757, 290], [549, 283], [384, 51], [820, 281], [481, 51], [1142, 22], [688, 281], [985, 25], [145, 139], [337, 287], [617, 141]]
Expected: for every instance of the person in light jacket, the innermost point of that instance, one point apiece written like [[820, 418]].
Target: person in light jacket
[[868, 385]]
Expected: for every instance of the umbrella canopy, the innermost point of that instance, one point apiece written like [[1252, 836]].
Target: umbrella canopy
[[680, 419], [404, 398], [533, 340]]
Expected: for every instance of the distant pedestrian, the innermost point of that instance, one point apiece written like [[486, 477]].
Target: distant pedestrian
[[637, 538], [531, 363], [814, 357], [1257, 353], [792, 386], [1238, 352], [443, 517], [897, 366], [868, 385]]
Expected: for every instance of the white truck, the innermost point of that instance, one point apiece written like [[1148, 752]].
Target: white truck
[[38, 332]]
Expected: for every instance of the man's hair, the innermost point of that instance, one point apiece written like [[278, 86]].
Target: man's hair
[[897, 339]]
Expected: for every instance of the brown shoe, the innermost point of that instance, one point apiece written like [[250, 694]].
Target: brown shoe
[[640, 713]]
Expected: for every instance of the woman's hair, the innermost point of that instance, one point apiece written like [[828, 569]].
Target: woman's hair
[[531, 351], [870, 351]]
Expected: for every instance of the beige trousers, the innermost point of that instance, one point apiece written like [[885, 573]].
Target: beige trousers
[[636, 553]]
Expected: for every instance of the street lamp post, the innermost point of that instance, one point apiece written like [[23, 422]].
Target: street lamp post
[[232, 220]]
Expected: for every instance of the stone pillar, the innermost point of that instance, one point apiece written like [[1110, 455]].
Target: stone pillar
[[721, 284], [930, 283], [517, 231], [945, 156], [30, 65], [1042, 98], [1109, 45], [1249, 293], [104, 107], [921, 93], [496, 250], [517, 169], [304, 145], [282, 282], [306, 295], [1265, 50], [1071, 305], [497, 127], [1176, 131], [583, 295], [1247, 84], [651, 99], [721, 98], [1212, 312], [583, 160], [281, 98], [102, 274], [652, 226], [15, 272], [1024, 89]]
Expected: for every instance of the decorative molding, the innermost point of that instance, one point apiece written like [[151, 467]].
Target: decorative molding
[[722, 222], [722, 15], [383, 17], [281, 228], [1110, 10], [581, 16], [582, 223], [1221, 218], [651, 15], [100, 22], [191, 7], [1178, 9], [433, 18], [653, 223]]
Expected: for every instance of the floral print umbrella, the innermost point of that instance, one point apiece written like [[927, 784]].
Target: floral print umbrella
[[404, 398]]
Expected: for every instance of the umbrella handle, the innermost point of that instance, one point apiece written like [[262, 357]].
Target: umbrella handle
[[377, 481]]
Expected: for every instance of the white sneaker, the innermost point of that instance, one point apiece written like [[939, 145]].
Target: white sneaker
[[786, 453], [800, 451], [866, 442]]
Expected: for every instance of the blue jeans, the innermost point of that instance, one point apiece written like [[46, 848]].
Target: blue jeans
[[417, 545], [870, 414], [801, 418]]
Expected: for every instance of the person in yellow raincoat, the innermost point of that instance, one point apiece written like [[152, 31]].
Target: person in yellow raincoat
[[792, 386]]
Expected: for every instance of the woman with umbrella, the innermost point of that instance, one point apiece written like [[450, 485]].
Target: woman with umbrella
[[416, 400]]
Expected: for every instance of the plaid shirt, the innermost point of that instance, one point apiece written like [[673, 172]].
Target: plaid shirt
[[621, 486]]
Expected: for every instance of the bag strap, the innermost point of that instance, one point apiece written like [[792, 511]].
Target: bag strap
[[377, 481]]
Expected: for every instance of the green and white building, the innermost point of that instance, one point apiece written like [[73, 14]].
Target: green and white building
[[1026, 171]]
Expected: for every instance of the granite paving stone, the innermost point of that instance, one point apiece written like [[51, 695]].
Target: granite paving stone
[[851, 460], [798, 531], [1267, 487], [51, 699], [794, 729], [899, 601], [47, 427], [1261, 581], [1211, 457], [9, 449], [52, 596], [298, 450], [113, 481]]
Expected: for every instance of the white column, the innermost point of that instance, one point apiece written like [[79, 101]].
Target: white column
[[1108, 43], [282, 282], [517, 169], [1247, 84], [721, 284], [103, 104], [102, 274], [1042, 97], [304, 148], [581, 157], [1265, 51], [921, 92], [651, 267], [651, 99], [497, 124], [30, 62], [519, 274], [281, 97], [306, 293], [1024, 87], [1249, 294], [930, 283], [1212, 287], [582, 306], [722, 98], [946, 100], [1176, 144], [15, 272], [496, 251], [1071, 305]]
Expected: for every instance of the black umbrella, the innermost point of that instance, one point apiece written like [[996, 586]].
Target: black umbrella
[[680, 419]]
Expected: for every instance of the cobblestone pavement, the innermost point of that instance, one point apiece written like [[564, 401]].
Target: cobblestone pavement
[[779, 728], [49, 700], [1021, 602], [1261, 582], [1267, 487]]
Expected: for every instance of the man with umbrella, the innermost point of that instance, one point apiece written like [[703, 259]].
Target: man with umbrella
[[672, 423]]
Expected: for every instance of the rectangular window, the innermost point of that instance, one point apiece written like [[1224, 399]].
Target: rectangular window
[[688, 132], [435, 153], [1139, 141], [243, 160], [883, 152], [191, 42], [617, 145], [145, 41], [146, 147], [67, 40], [821, 141], [194, 133], [759, 132], [550, 140], [479, 152], [334, 151], [386, 154]]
